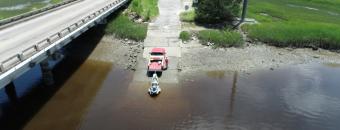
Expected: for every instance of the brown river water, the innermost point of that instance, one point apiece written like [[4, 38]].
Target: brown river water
[[294, 98], [98, 95]]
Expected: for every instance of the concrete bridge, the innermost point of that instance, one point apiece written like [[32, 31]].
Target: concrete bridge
[[34, 41]]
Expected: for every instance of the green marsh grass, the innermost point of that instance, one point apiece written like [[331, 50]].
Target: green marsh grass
[[35, 5], [297, 34], [123, 27], [297, 23], [221, 38], [148, 9]]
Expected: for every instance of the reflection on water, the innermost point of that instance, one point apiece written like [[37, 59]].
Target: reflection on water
[[65, 109], [233, 94], [299, 97], [60, 106], [216, 74]]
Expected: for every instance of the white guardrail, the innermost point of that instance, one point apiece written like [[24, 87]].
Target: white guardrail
[[14, 62]]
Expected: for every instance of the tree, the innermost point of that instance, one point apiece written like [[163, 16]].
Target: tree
[[217, 11]]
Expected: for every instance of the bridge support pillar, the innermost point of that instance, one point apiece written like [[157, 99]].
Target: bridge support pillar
[[57, 56], [11, 93], [47, 75], [103, 21]]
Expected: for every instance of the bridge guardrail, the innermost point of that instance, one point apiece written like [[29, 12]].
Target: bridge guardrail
[[31, 13], [40, 46], [29, 52]]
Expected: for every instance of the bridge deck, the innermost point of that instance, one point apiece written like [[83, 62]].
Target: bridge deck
[[19, 37]]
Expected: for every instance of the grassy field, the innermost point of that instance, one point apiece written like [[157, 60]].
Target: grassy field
[[122, 27], [188, 16], [148, 9], [10, 8], [298, 23], [221, 38]]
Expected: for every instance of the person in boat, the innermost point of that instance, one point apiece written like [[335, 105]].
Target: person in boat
[[154, 89]]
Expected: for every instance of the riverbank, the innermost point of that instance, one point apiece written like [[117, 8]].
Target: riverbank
[[195, 56], [123, 53], [252, 57], [199, 54]]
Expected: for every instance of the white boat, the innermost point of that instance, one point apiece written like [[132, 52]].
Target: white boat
[[154, 89]]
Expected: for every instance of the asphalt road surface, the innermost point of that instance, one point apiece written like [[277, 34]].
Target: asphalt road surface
[[19, 37]]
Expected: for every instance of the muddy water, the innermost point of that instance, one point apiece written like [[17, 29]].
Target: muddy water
[[61, 106], [133, 108], [298, 97], [78, 79], [65, 109]]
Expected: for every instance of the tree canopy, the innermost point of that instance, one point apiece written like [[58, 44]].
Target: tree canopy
[[217, 11]]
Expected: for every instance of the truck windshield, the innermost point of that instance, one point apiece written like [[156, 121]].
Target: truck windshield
[[158, 61], [156, 53]]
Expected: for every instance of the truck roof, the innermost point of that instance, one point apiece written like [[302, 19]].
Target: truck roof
[[158, 50]]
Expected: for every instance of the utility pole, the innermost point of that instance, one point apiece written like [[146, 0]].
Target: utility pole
[[244, 10]]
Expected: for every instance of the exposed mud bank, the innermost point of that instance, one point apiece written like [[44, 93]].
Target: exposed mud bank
[[121, 52], [250, 58]]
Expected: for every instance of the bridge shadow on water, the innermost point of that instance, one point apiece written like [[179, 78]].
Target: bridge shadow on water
[[15, 115]]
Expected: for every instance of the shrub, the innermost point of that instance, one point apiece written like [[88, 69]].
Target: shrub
[[146, 8], [122, 27], [184, 36], [224, 38], [217, 11], [188, 16]]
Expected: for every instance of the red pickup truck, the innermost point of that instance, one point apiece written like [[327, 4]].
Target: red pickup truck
[[158, 61]]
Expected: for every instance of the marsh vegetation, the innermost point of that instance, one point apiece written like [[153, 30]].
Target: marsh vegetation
[[297, 23], [10, 8], [124, 26], [147, 9]]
